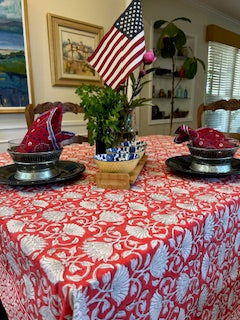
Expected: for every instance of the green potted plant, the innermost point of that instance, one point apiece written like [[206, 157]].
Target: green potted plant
[[172, 41], [102, 108]]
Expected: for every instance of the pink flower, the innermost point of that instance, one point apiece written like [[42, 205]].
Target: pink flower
[[149, 57], [142, 73]]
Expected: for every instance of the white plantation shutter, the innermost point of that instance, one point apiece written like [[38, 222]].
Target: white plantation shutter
[[223, 82], [236, 80]]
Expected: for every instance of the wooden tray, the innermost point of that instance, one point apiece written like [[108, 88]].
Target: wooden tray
[[119, 180]]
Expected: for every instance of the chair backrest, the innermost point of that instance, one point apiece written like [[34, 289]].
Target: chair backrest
[[228, 105], [31, 111]]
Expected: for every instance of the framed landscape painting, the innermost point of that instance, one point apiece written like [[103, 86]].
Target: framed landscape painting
[[71, 42], [15, 63]]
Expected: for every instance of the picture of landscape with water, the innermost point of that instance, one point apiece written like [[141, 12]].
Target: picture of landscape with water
[[13, 75]]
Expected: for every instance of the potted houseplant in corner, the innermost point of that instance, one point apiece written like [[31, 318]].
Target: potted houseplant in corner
[[172, 40]]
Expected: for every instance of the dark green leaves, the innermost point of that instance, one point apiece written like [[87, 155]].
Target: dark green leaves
[[158, 24], [102, 107], [171, 39]]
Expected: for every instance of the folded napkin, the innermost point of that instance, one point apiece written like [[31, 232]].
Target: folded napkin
[[208, 138], [45, 133]]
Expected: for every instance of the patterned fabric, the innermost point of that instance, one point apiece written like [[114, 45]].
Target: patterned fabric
[[203, 137], [45, 132], [122, 48], [168, 248]]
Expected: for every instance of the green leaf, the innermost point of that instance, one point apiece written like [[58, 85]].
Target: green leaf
[[190, 67], [202, 63], [170, 30], [150, 70], [157, 24], [133, 79], [182, 18], [167, 48], [180, 39], [103, 107]]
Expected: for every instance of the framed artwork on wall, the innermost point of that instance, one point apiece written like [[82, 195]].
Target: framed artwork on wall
[[71, 42], [16, 87]]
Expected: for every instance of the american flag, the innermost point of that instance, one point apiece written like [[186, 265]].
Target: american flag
[[121, 50]]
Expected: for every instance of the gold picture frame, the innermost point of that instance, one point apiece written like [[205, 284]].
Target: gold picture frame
[[71, 42], [16, 85]]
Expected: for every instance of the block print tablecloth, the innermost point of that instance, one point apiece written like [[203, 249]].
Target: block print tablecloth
[[166, 249]]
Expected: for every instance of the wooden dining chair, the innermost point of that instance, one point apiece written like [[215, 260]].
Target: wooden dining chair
[[227, 105], [31, 111]]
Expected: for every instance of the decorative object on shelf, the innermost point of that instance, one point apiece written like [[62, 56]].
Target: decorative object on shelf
[[156, 113], [162, 94], [185, 93], [172, 40], [179, 92], [178, 113]]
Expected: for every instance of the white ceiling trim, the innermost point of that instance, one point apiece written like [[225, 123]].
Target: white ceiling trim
[[204, 6]]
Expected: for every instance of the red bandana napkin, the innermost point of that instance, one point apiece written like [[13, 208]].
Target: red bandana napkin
[[203, 137], [45, 133]]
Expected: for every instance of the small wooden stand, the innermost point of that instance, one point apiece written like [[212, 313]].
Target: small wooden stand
[[109, 180]]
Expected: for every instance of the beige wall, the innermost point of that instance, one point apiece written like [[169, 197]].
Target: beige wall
[[98, 12], [200, 17]]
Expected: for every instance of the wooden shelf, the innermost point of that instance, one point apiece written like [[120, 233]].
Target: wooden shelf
[[108, 180]]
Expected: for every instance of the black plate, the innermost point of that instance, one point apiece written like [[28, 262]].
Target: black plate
[[68, 170], [182, 164]]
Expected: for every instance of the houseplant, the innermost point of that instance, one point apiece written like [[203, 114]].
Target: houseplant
[[102, 108], [172, 41]]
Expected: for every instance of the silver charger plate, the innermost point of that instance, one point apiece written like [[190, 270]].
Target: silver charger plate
[[67, 170], [182, 164]]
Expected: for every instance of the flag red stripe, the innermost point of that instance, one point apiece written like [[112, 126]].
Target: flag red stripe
[[114, 60], [120, 77], [108, 57], [125, 58], [103, 51], [102, 45]]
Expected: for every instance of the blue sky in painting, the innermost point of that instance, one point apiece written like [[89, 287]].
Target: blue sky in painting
[[11, 32], [10, 9], [13, 85]]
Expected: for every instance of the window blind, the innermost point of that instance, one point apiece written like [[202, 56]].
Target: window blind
[[223, 82]]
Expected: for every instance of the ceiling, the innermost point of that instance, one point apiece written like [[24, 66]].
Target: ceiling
[[230, 8]]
